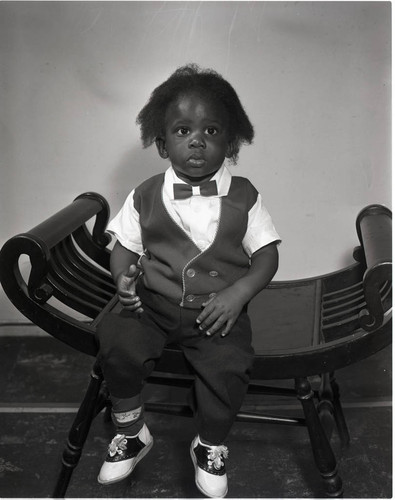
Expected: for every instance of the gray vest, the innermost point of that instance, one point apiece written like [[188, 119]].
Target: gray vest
[[173, 265]]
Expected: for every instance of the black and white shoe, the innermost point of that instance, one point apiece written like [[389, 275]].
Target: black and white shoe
[[210, 473], [124, 453]]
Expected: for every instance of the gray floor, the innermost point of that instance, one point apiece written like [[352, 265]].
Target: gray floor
[[43, 382]]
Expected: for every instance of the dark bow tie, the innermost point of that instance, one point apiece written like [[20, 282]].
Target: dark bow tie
[[183, 191]]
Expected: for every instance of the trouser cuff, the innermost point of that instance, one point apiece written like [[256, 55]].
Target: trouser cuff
[[127, 415]]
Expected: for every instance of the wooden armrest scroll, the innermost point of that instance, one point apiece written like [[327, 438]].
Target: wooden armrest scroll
[[38, 242], [374, 225], [13, 283], [99, 236]]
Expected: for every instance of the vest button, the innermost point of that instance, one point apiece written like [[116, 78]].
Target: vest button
[[191, 273], [190, 298], [213, 273]]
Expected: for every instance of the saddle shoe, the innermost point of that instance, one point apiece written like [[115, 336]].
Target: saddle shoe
[[210, 472], [124, 453]]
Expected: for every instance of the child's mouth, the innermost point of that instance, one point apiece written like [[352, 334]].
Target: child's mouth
[[196, 161]]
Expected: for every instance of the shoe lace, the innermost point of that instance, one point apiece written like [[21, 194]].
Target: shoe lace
[[216, 454], [117, 445]]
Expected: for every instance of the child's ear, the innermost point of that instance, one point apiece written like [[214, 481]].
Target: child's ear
[[161, 147], [230, 151]]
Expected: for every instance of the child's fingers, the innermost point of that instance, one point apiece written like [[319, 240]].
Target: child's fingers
[[130, 303], [213, 322], [136, 307], [129, 299], [221, 321], [125, 292], [206, 311], [227, 329], [133, 309], [206, 319], [215, 327], [126, 285], [127, 296], [132, 272], [209, 300]]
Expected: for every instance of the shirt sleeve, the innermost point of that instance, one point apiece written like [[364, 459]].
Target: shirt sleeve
[[260, 229], [125, 226]]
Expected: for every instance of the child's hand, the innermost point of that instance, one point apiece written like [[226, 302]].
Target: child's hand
[[223, 309], [126, 287]]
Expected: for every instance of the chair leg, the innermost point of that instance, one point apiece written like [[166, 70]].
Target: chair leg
[[325, 406], [322, 451], [338, 412], [330, 409], [93, 402]]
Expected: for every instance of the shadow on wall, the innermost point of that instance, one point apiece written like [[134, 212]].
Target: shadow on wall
[[135, 166]]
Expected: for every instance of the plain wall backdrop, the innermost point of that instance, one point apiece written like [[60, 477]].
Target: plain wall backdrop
[[314, 78]]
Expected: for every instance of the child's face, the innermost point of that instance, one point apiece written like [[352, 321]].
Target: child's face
[[196, 138]]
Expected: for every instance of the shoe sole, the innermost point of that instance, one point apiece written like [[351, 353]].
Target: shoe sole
[[139, 457], [200, 488]]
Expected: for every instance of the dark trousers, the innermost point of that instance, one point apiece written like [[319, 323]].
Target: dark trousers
[[130, 344]]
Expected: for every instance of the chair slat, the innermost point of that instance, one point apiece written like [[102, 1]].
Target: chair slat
[[341, 292], [80, 281], [100, 277], [71, 300], [342, 316], [357, 302], [351, 303], [69, 288]]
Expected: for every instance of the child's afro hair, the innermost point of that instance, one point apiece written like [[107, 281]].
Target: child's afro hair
[[209, 84]]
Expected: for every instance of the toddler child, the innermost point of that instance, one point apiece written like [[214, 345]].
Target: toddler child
[[194, 245]]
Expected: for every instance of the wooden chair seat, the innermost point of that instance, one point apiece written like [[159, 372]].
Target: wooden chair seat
[[301, 329]]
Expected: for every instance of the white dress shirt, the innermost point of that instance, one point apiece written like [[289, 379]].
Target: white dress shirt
[[198, 216]]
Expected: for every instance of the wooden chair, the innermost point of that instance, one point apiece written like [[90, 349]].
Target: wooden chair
[[302, 329]]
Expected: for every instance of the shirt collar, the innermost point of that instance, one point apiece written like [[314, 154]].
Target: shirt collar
[[222, 176]]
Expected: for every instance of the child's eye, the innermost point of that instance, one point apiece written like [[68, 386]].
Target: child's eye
[[182, 131], [211, 131]]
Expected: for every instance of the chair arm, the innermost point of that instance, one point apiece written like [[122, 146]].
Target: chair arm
[[38, 242], [63, 223], [374, 224], [31, 298]]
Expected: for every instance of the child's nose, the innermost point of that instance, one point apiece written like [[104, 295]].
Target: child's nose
[[197, 141]]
